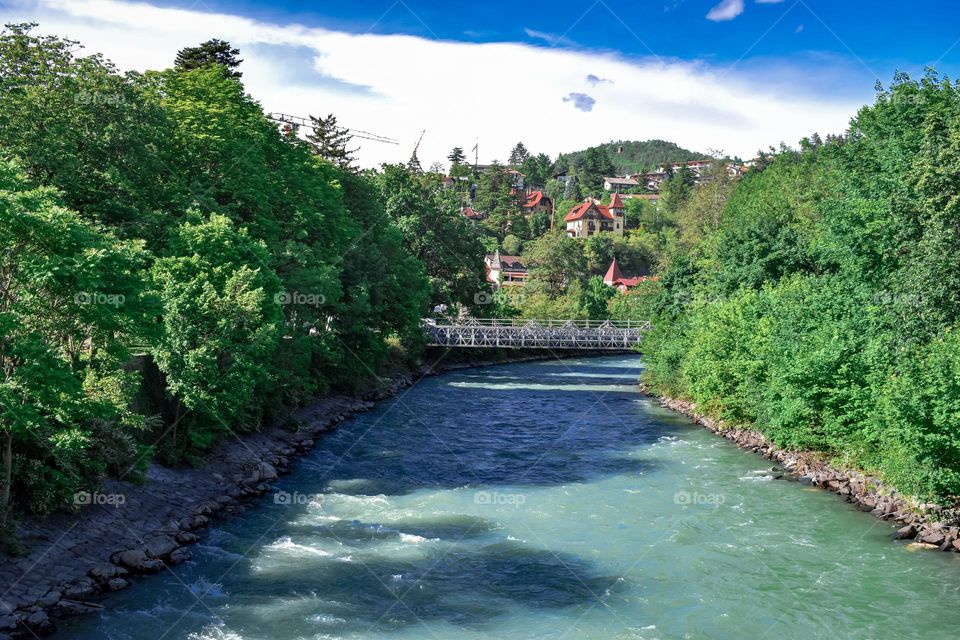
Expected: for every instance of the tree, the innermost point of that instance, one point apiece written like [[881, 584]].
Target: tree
[[596, 298], [211, 52], [497, 199], [456, 158], [434, 232], [598, 251], [329, 141], [75, 123], [413, 164], [555, 261], [221, 322], [701, 210], [511, 245], [69, 298], [518, 155], [537, 170]]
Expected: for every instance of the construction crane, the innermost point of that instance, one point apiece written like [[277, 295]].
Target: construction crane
[[419, 140], [295, 122]]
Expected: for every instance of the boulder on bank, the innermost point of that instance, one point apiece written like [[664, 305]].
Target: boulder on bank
[[160, 546]]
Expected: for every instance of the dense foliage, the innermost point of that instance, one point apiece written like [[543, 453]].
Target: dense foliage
[[634, 156], [820, 301], [163, 214]]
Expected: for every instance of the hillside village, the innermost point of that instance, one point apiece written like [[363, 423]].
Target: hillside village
[[516, 203]]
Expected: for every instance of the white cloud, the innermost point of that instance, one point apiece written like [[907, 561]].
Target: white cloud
[[726, 10], [499, 93]]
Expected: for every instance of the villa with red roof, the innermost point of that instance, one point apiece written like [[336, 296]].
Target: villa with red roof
[[589, 218], [537, 202]]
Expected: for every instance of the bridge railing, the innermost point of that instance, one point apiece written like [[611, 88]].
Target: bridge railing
[[551, 323]]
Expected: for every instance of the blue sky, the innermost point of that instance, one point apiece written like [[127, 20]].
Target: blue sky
[[878, 36], [730, 75]]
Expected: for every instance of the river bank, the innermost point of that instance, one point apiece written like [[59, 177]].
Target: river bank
[[923, 524], [130, 530]]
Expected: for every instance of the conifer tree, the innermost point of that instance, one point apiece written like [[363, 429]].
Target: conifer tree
[[330, 141]]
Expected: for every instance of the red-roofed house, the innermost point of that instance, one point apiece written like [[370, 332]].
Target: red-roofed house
[[537, 202], [615, 278], [470, 214], [588, 218]]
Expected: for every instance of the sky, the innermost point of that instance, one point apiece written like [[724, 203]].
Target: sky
[[730, 76]]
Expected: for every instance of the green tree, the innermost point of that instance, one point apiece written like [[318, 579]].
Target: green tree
[[211, 52], [596, 298], [221, 322], [330, 141], [496, 198], [518, 155], [555, 261], [69, 299], [456, 158], [435, 233], [598, 251], [511, 245]]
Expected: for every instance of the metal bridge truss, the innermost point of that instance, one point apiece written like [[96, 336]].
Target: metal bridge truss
[[536, 334]]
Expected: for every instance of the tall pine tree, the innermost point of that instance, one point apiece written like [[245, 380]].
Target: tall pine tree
[[330, 141], [213, 51]]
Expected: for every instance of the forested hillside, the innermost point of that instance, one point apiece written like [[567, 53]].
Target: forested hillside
[[163, 214], [634, 156], [822, 304]]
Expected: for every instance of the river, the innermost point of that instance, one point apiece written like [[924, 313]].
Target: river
[[539, 500]]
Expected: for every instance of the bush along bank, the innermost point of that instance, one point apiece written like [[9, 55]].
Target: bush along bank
[[127, 531], [928, 524], [818, 302]]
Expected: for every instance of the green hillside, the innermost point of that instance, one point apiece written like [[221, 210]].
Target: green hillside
[[635, 156]]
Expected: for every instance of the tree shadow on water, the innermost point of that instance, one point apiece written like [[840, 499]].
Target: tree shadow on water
[[464, 587]]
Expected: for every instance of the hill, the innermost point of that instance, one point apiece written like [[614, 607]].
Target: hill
[[634, 156]]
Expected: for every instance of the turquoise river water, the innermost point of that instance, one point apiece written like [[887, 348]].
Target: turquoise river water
[[539, 500]]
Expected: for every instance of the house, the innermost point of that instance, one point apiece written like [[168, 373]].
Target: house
[[589, 218], [651, 180], [619, 184], [505, 271], [615, 278], [537, 202], [470, 214]]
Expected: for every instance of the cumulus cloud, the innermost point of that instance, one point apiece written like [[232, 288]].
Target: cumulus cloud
[[726, 10], [397, 85], [580, 101], [595, 80]]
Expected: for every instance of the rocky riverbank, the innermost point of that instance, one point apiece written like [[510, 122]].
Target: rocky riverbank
[[132, 530], [926, 525]]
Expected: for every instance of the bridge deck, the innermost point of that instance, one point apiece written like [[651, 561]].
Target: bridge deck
[[513, 333]]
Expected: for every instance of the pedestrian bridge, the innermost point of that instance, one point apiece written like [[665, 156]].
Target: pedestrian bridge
[[514, 333]]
